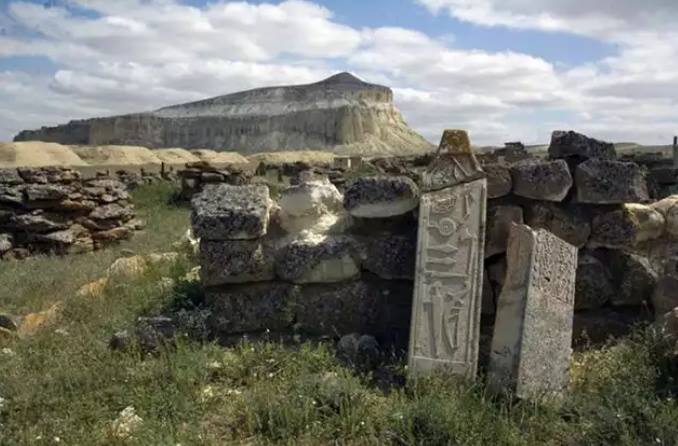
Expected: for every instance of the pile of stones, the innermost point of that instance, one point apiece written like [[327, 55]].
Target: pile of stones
[[585, 196], [53, 210], [196, 175]]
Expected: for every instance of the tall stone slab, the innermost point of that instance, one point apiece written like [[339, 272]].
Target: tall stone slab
[[531, 351], [444, 331]]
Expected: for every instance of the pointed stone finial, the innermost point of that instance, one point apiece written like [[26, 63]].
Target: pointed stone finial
[[453, 164]]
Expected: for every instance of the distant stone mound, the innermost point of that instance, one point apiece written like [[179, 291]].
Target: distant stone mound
[[341, 113]]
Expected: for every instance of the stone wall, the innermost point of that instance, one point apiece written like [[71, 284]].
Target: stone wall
[[349, 259], [53, 210]]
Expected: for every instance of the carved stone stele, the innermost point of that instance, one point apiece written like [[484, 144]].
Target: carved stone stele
[[453, 164], [531, 350], [444, 332]]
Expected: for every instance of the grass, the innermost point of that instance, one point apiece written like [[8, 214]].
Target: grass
[[65, 386]]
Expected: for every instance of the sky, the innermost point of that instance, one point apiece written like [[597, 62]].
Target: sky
[[505, 70]]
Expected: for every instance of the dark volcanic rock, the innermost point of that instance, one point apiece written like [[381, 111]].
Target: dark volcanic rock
[[390, 256], [575, 145], [567, 222], [499, 221], [541, 180], [318, 259], [593, 287], [609, 182]]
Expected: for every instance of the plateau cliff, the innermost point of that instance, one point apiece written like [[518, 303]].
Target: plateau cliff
[[341, 113]]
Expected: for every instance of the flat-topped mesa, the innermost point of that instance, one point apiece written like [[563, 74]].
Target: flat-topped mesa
[[341, 113]]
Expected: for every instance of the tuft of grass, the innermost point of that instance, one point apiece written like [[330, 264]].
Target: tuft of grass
[[65, 386]]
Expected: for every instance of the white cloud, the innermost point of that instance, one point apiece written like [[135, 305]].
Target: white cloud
[[142, 54]]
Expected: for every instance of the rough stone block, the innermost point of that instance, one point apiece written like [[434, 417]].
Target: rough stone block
[[251, 307], [499, 221], [225, 212], [541, 180], [531, 350], [499, 182], [315, 206], [235, 261], [390, 256], [610, 182], [10, 177], [318, 259], [634, 277], [626, 227], [446, 308], [581, 147], [381, 196], [668, 207], [568, 223], [593, 287]]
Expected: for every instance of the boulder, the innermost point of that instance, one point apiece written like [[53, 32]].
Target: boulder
[[390, 256], [315, 206], [318, 259], [593, 285], [127, 268], [665, 296], [634, 279], [610, 182], [541, 180], [568, 223], [5, 243], [571, 144], [33, 322], [381, 196], [499, 182], [235, 261], [93, 289], [626, 227], [499, 221], [668, 207], [7, 322], [251, 307], [225, 212]]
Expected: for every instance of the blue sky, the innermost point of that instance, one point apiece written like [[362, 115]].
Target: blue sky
[[504, 69]]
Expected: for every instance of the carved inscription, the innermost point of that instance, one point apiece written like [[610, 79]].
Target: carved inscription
[[448, 283]]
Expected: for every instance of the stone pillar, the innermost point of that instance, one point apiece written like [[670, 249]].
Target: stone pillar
[[444, 331], [531, 351]]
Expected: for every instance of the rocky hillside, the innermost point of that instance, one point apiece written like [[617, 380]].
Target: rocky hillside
[[342, 114]]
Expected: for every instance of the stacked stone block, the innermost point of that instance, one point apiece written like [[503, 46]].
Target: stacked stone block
[[53, 210], [315, 263], [585, 196]]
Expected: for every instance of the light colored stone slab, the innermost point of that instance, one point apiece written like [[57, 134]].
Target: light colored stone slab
[[449, 280], [531, 351]]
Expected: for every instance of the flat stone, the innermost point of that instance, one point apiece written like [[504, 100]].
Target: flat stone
[[66, 236], [235, 261], [381, 196], [610, 182], [499, 221], [626, 227], [499, 181], [390, 256], [251, 308], [531, 351], [568, 223], [318, 259], [46, 192], [38, 222], [454, 163], [593, 287], [446, 308], [127, 269], [634, 277], [581, 147], [225, 212], [112, 211], [541, 180], [10, 177]]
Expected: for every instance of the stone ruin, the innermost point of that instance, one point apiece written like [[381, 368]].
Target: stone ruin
[[54, 210], [546, 253]]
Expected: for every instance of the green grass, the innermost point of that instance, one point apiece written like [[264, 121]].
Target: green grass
[[66, 383]]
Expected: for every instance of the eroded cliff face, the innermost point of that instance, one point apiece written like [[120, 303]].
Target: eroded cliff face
[[341, 113]]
